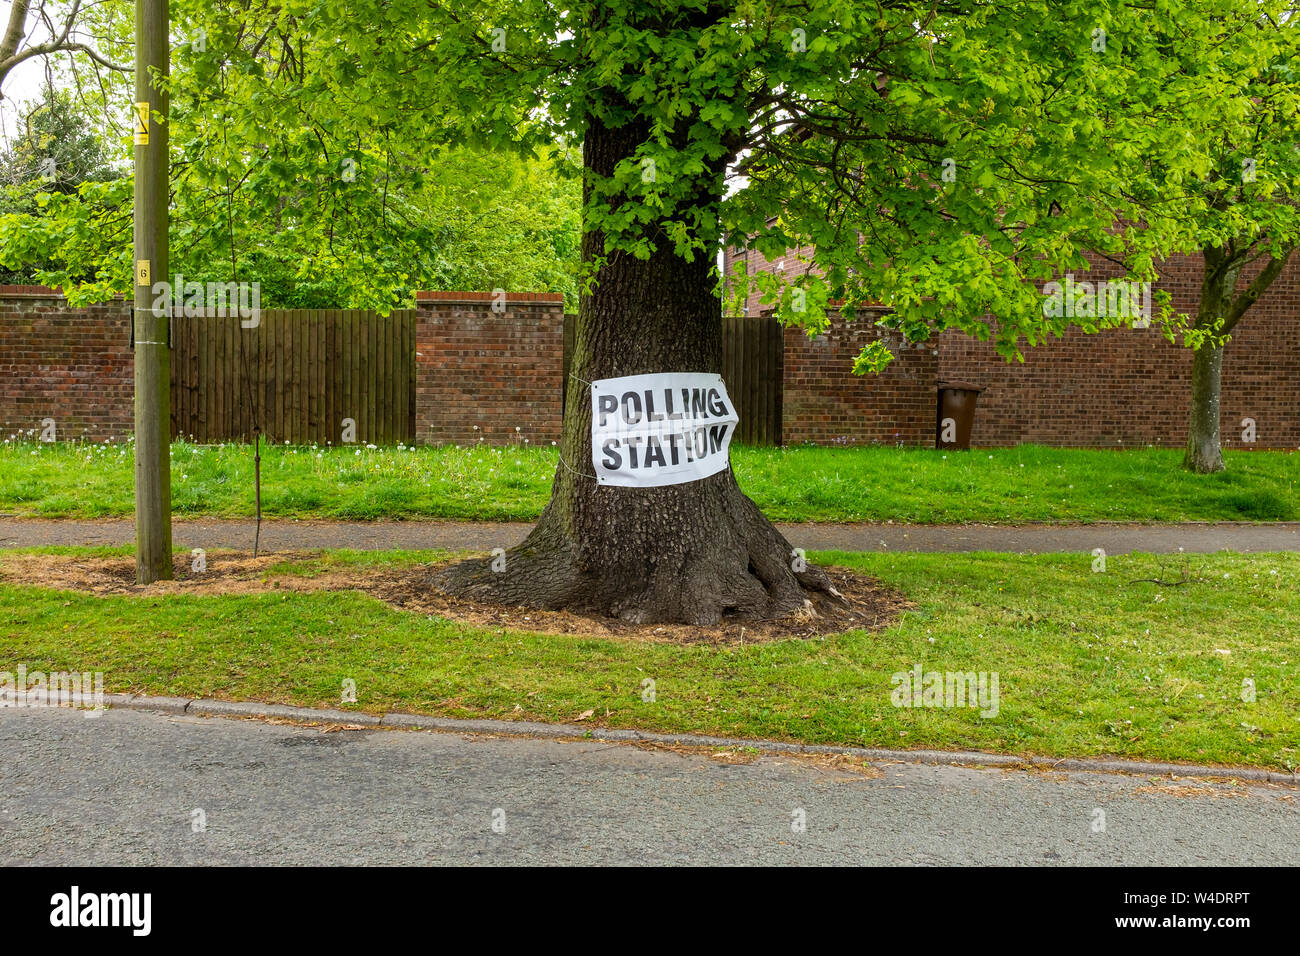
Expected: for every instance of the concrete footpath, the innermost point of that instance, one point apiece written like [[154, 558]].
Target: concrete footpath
[[136, 787], [287, 535]]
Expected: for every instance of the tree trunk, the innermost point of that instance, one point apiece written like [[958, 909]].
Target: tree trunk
[[691, 553], [1204, 454], [1213, 314]]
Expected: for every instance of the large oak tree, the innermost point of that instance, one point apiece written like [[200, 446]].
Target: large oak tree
[[941, 158], [904, 141]]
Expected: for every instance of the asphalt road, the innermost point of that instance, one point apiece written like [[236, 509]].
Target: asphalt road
[[122, 789], [283, 535]]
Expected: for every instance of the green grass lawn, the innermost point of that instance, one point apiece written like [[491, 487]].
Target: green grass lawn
[[1088, 664], [1023, 484]]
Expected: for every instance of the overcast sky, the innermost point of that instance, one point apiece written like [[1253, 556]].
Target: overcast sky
[[24, 84]]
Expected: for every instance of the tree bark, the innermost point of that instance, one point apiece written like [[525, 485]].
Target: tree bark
[[692, 553], [1204, 454]]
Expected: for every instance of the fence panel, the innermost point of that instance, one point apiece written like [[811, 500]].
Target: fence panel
[[297, 375], [752, 369]]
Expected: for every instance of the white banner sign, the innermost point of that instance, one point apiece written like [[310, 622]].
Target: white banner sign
[[661, 429]]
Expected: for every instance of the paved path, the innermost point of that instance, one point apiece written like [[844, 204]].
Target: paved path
[[122, 788], [281, 535]]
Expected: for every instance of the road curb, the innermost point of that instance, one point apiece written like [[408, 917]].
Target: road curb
[[510, 728]]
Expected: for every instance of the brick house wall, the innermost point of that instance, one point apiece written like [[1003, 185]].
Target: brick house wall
[[72, 365], [754, 262], [1130, 386], [1119, 387], [825, 403], [481, 374]]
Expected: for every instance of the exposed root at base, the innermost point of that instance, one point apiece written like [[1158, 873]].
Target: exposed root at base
[[860, 602]]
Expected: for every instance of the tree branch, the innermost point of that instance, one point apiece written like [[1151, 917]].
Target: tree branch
[[11, 56], [1253, 291]]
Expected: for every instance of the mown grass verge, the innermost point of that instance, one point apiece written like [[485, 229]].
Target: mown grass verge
[[1001, 486], [1088, 663]]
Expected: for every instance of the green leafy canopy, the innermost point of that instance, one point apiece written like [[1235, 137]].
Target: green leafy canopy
[[939, 159]]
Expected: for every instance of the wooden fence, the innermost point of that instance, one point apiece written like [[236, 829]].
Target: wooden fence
[[298, 375], [752, 351]]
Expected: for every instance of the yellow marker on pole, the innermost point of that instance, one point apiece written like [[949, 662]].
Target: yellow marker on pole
[[142, 124], [142, 272]]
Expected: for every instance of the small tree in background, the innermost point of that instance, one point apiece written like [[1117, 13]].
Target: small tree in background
[[1187, 126], [1242, 214], [55, 152], [56, 148]]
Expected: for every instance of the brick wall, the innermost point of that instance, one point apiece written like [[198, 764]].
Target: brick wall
[[71, 365], [824, 402], [1119, 387], [502, 371], [499, 371], [1130, 386]]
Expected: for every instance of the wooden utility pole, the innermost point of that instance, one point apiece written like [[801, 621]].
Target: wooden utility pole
[[153, 487]]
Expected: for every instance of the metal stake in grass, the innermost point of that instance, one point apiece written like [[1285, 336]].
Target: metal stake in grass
[[257, 485]]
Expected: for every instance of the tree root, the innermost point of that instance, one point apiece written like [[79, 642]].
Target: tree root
[[738, 566]]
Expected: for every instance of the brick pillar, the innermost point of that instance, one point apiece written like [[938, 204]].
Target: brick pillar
[[483, 374]]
